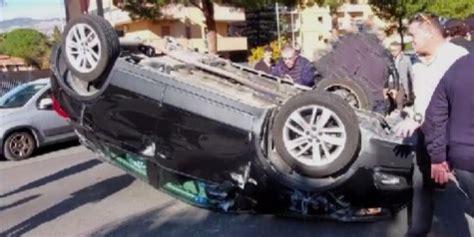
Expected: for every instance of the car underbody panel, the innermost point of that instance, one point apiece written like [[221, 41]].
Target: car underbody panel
[[200, 128]]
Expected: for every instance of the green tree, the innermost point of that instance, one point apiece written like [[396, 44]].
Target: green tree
[[2, 37], [260, 28], [452, 8], [397, 10], [151, 10], [28, 44], [56, 37], [257, 53]]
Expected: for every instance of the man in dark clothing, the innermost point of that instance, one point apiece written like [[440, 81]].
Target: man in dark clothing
[[294, 67], [266, 63], [437, 56], [449, 126], [456, 31]]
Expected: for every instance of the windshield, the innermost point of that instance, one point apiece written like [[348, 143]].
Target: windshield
[[20, 95]]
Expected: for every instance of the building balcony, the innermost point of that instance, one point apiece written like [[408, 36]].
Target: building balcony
[[231, 43], [224, 44], [228, 14], [171, 12]]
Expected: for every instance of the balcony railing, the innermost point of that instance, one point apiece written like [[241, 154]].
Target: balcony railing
[[231, 43], [228, 14]]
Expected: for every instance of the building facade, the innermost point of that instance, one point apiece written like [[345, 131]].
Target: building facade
[[184, 23], [313, 25]]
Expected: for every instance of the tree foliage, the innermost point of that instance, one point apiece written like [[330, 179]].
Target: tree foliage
[[452, 8], [397, 10], [332, 4], [2, 37], [393, 10], [56, 37], [28, 44], [257, 53], [260, 28]]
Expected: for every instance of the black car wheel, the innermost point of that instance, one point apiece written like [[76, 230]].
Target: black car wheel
[[19, 146], [349, 90], [91, 46], [316, 134]]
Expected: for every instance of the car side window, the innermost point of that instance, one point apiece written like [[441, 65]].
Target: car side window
[[44, 102]]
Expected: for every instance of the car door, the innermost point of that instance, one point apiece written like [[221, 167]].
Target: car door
[[47, 121]]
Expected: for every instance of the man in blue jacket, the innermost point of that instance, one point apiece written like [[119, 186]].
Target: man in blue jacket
[[449, 127], [294, 67]]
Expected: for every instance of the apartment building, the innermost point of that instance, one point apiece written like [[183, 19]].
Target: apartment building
[[312, 25], [186, 24]]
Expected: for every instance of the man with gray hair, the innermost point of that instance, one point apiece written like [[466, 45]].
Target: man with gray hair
[[294, 67]]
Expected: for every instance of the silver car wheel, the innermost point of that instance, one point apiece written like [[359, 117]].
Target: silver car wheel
[[21, 145], [314, 135], [83, 48]]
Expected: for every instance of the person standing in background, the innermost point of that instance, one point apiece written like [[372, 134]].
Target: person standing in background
[[266, 63], [405, 73]]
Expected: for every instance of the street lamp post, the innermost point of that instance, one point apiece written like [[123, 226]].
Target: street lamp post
[[277, 12], [292, 29]]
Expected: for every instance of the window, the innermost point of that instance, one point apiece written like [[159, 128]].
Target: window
[[45, 95], [356, 14], [188, 32], [20, 95], [320, 19], [165, 31], [320, 38]]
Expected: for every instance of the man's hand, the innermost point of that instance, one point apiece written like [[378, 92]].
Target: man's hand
[[440, 173], [392, 93], [406, 128], [385, 93]]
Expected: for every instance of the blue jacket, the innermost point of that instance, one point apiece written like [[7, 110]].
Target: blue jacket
[[449, 119], [303, 71]]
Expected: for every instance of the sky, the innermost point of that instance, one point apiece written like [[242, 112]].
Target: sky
[[37, 9]]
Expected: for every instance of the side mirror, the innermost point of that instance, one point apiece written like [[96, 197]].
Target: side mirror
[[46, 103]]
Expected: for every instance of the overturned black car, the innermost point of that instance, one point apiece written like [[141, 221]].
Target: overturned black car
[[222, 136]]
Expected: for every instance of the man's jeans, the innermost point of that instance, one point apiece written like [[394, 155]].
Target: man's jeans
[[466, 183], [420, 211]]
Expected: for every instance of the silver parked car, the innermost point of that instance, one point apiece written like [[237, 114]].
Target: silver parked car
[[28, 121]]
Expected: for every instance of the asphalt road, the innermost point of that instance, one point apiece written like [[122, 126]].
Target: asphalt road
[[71, 193]]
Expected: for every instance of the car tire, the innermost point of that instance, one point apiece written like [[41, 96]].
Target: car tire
[[91, 46], [333, 133], [353, 92], [19, 146]]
